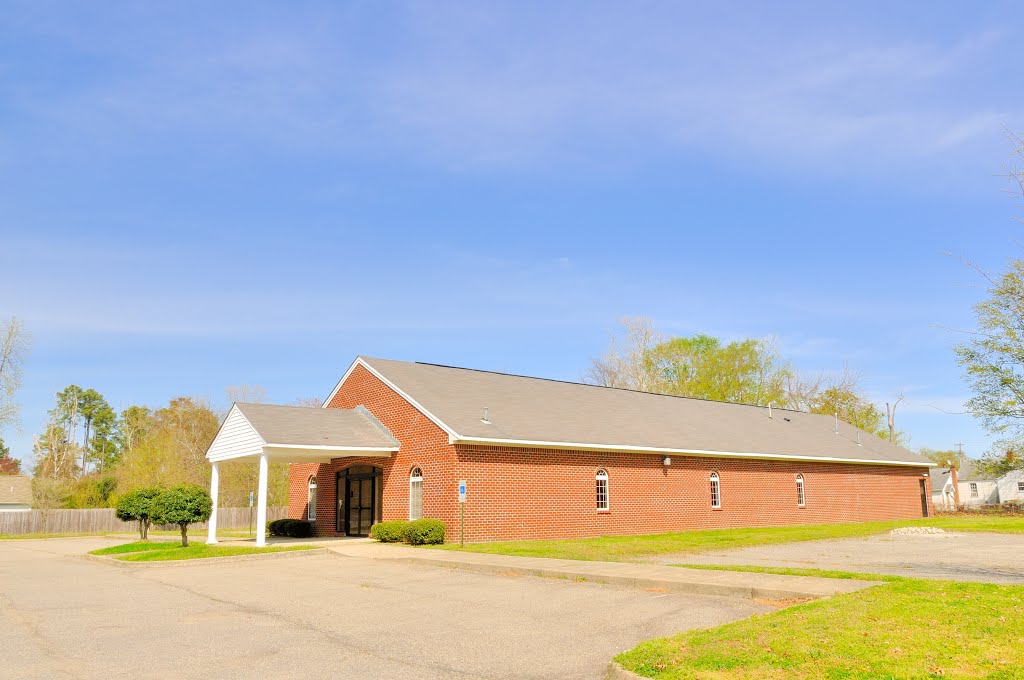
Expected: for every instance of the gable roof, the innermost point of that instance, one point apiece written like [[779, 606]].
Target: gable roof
[[524, 411], [287, 426], [15, 489], [298, 432], [965, 473]]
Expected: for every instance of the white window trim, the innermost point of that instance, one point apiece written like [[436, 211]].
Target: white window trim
[[1020, 487], [413, 478], [602, 475], [311, 491], [801, 494], [974, 490], [716, 491]]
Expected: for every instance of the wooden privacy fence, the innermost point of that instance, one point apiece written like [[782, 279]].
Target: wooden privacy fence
[[102, 520]]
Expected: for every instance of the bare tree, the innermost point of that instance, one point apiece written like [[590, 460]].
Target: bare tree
[[623, 364], [309, 402], [1015, 175], [890, 415], [14, 347]]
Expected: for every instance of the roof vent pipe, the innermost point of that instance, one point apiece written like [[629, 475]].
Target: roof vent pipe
[[485, 420], [769, 410], [858, 438], [837, 422]]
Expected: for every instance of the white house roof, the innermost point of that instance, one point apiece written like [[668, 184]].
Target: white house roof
[[546, 413]]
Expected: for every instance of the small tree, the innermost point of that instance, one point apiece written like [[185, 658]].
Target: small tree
[[137, 505], [182, 505]]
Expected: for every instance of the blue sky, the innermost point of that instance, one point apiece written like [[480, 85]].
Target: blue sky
[[197, 196]]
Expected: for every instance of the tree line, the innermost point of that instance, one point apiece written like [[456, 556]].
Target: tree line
[[88, 454], [747, 371]]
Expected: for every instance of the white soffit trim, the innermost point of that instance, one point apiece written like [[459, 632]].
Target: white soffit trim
[[682, 452], [452, 435]]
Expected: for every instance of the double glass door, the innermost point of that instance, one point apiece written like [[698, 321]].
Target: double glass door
[[358, 489]]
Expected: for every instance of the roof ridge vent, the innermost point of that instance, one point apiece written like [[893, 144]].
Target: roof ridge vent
[[365, 412]]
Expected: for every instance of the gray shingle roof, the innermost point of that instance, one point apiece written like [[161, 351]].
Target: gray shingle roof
[[523, 409], [301, 426], [15, 489]]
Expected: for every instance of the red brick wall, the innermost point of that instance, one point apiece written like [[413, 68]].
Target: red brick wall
[[423, 445], [520, 493]]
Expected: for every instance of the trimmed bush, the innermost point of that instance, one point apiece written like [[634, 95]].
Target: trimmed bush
[[136, 506], [299, 528], [392, 531], [277, 527], [293, 528], [182, 505], [425, 532]]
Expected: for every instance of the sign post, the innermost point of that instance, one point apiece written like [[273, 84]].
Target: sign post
[[462, 512]]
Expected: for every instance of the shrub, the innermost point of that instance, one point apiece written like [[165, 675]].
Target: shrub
[[425, 532], [182, 505], [136, 506], [279, 527], [294, 528], [299, 528], [392, 531]]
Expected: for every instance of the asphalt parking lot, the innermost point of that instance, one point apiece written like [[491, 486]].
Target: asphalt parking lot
[[62, 616], [967, 556]]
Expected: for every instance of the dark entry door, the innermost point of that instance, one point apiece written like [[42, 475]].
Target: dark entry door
[[924, 498], [360, 492]]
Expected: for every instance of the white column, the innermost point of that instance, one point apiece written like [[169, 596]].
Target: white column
[[211, 531], [261, 504]]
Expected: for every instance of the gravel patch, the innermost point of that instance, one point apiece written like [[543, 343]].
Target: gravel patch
[[917, 531]]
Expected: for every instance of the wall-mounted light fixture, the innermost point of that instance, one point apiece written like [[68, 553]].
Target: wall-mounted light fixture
[[667, 461]]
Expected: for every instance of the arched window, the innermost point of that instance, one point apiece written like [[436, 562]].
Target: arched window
[[801, 501], [416, 494], [602, 489], [311, 500], [716, 491]]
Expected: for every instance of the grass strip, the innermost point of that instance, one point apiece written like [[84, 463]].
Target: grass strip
[[155, 551], [794, 571], [628, 548]]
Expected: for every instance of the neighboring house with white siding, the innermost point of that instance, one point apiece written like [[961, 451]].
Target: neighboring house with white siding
[[15, 493], [976, 489], [1011, 487]]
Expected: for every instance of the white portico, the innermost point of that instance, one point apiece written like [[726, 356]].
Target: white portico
[[291, 434]]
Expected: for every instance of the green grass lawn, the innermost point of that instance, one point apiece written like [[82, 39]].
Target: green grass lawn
[[908, 628], [159, 551], [626, 548]]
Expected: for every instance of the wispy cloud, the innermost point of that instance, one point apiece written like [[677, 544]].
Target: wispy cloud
[[511, 87]]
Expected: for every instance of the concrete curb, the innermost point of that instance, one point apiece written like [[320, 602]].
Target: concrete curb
[[750, 592], [617, 672], [111, 561]]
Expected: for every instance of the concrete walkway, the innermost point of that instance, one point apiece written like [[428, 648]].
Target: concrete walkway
[[651, 576]]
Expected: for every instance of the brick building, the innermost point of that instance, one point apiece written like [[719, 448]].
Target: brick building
[[552, 459]]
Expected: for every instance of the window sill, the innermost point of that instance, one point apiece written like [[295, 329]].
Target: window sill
[[718, 509], [603, 512]]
